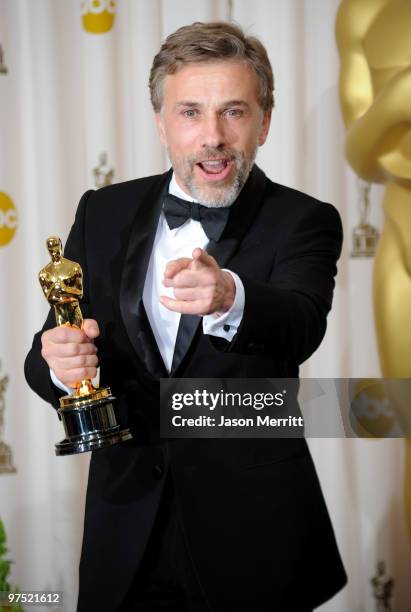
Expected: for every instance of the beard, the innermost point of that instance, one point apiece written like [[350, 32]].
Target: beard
[[214, 195]]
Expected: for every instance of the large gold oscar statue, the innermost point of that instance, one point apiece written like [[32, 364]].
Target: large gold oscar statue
[[374, 42], [88, 414]]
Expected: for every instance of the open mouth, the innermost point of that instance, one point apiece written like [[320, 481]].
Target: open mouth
[[215, 169]]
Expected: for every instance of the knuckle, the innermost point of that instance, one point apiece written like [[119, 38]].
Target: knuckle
[[75, 350], [81, 361], [64, 334], [79, 349], [46, 338], [91, 349], [89, 360]]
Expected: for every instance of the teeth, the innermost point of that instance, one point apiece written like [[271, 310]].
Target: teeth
[[218, 164], [214, 166]]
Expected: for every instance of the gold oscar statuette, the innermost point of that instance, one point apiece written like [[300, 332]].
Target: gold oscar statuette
[[88, 415], [6, 459], [364, 236], [374, 44]]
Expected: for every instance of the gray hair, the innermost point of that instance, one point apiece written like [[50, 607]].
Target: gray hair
[[207, 42]]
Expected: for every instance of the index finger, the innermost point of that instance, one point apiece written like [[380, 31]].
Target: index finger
[[175, 266], [201, 256], [63, 334]]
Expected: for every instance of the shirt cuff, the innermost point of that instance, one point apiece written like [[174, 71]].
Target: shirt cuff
[[226, 325]]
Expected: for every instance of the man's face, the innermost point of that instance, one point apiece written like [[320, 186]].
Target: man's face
[[212, 125]]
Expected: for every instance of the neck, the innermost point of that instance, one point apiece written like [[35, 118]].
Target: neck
[[182, 187]]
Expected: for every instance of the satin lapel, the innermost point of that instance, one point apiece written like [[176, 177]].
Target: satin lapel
[[133, 277], [241, 217]]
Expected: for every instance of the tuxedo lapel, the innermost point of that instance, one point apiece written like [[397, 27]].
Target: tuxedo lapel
[[241, 217], [134, 272]]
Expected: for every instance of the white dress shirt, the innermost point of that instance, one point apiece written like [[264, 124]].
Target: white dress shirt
[[170, 244]]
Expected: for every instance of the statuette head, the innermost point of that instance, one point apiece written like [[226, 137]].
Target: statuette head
[[54, 247]]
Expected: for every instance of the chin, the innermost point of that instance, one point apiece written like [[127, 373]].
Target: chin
[[217, 197]]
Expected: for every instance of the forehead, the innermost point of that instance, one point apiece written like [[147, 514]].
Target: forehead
[[211, 80]]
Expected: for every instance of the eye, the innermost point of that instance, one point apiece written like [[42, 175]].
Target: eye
[[190, 113], [233, 112]]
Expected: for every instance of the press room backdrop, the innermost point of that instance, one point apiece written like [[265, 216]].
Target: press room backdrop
[[74, 114]]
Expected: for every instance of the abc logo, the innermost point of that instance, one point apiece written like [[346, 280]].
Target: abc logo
[[98, 15], [371, 413], [8, 219]]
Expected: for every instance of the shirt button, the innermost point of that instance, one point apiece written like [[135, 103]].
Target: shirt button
[[158, 471], [226, 328]]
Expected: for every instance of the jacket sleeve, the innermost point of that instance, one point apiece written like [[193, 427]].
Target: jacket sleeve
[[36, 370], [285, 317]]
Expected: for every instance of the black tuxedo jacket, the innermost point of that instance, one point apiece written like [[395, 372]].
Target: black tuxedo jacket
[[252, 509]]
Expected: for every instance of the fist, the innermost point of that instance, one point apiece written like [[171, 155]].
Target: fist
[[70, 352]]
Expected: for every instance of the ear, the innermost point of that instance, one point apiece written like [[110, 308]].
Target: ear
[[160, 127], [265, 126]]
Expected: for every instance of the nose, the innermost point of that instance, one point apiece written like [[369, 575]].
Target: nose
[[213, 134]]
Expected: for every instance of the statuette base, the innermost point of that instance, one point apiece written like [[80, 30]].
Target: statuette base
[[365, 240], [90, 423]]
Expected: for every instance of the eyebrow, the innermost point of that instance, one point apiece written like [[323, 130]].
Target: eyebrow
[[190, 104]]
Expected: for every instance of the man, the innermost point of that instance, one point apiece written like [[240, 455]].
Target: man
[[200, 524]]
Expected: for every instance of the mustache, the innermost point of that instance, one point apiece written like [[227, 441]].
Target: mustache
[[211, 153]]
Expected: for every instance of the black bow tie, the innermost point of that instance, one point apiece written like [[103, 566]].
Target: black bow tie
[[213, 220]]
